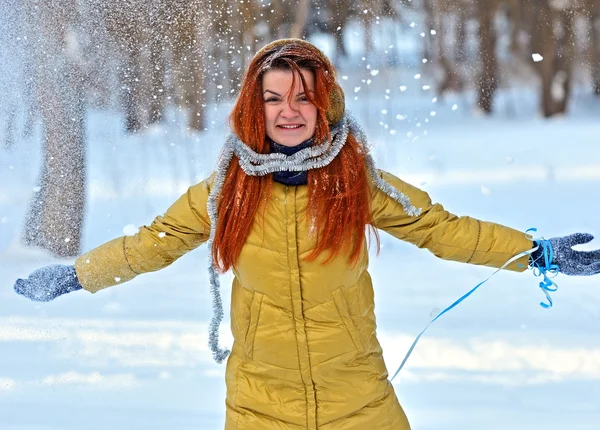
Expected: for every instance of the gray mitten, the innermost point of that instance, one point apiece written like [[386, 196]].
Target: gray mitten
[[48, 283], [569, 261]]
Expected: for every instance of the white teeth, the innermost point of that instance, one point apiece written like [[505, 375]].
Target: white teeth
[[290, 127]]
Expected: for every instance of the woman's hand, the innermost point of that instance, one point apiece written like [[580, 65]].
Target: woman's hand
[[569, 261], [48, 283]]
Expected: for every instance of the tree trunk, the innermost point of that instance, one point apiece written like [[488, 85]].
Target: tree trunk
[[557, 52], [594, 28], [55, 217], [561, 85], [487, 81], [131, 78], [300, 18], [157, 77], [187, 61], [460, 54]]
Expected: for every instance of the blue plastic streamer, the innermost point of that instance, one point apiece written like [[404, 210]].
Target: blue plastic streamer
[[547, 285]]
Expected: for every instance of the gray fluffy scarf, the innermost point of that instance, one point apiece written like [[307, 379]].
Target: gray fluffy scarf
[[255, 164]]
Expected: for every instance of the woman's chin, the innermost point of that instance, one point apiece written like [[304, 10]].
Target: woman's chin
[[288, 141]]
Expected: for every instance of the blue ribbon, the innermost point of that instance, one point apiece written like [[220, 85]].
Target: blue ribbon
[[547, 285]]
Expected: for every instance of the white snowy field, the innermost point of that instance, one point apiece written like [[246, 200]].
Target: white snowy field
[[135, 356]]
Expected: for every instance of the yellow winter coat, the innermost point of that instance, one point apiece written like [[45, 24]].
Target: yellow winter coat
[[305, 354]]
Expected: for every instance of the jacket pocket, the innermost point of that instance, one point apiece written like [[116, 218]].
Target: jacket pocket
[[252, 324], [342, 308]]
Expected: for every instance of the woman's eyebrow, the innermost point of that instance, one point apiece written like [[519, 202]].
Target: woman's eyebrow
[[279, 95]]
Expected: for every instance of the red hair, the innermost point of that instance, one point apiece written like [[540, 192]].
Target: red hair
[[338, 194]]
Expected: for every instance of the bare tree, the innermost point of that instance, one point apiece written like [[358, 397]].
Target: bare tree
[[300, 18], [593, 17], [487, 80], [55, 217], [552, 38]]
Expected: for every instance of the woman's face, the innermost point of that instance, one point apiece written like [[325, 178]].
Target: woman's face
[[288, 122]]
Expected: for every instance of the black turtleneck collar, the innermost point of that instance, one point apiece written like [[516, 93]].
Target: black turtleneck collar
[[285, 177]]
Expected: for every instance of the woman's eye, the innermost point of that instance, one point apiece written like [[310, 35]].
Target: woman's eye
[[271, 99], [303, 99]]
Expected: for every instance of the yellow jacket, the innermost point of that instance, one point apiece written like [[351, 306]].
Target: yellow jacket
[[305, 353]]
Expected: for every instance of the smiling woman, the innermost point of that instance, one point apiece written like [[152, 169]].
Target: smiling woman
[[290, 116], [286, 211]]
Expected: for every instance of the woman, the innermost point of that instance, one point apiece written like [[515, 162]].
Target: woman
[[286, 210]]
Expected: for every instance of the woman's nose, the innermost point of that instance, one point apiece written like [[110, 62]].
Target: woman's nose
[[289, 110]]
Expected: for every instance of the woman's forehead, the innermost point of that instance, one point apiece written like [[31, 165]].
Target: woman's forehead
[[283, 78]]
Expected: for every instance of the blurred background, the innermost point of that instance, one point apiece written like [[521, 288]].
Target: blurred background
[[110, 109], [63, 58]]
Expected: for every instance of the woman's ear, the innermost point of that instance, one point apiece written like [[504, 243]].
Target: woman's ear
[[337, 105]]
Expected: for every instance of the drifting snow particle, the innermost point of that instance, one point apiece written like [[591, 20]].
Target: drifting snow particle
[[130, 230], [418, 124], [338, 29], [37, 189], [390, 47], [409, 134], [433, 100], [418, 76], [87, 261], [356, 98], [426, 87], [366, 11], [387, 97], [403, 88], [369, 81], [426, 119], [4, 220], [387, 91], [356, 89], [454, 107], [374, 72], [400, 117], [424, 60], [363, 58], [384, 111], [432, 113], [345, 78], [422, 35], [433, 32], [220, 87], [386, 126], [117, 279], [485, 190], [67, 239], [537, 57], [412, 24], [393, 132], [162, 234], [368, 66]]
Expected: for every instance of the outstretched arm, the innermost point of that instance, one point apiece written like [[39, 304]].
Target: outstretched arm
[[446, 235], [182, 228]]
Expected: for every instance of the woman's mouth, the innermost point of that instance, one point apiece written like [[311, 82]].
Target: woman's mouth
[[290, 126]]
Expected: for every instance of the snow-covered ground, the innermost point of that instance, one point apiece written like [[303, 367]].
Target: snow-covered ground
[[135, 356]]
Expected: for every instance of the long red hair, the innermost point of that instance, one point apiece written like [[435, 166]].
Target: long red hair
[[338, 194]]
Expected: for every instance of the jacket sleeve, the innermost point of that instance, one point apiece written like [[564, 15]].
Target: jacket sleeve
[[447, 236], [183, 227]]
